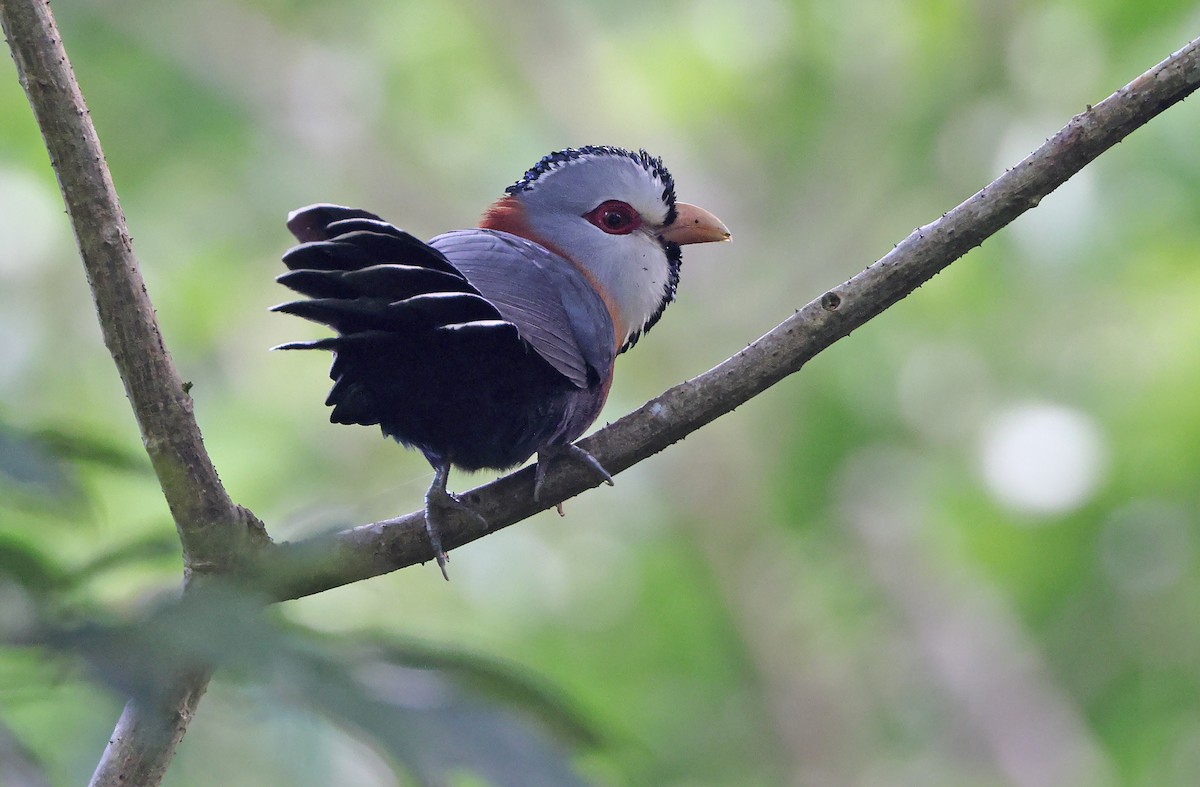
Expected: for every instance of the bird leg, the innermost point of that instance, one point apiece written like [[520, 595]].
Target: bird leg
[[550, 452], [437, 503]]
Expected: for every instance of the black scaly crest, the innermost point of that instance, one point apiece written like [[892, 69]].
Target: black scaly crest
[[552, 161]]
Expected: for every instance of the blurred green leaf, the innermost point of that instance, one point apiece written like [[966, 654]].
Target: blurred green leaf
[[29, 566], [152, 548], [432, 710], [79, 446], [31, 470], [505, 683]]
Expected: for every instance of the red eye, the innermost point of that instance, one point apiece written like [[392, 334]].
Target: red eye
[[614, 217]]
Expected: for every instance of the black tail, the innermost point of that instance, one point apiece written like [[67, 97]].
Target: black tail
[[384, 292]]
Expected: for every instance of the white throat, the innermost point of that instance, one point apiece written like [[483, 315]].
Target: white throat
[[634, 274]]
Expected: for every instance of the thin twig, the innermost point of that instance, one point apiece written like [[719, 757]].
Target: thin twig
[[320, 563]]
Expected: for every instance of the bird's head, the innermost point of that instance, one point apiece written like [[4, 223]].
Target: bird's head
[[611, 212]]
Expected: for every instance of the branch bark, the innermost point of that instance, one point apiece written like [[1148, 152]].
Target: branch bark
[[216, 534], [292, 570]]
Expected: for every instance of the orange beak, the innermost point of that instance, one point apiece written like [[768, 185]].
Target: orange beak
[[695, 225]]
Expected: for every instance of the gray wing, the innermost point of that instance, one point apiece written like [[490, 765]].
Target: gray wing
[[553, 306]]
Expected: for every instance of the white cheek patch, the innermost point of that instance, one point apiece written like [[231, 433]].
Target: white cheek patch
[[636, 281]]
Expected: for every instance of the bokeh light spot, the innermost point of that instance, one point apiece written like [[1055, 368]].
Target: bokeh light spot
[[1042, 458]]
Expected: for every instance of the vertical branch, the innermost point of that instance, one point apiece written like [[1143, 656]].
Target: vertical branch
[[210, 526], [146, 735], [215, 533]]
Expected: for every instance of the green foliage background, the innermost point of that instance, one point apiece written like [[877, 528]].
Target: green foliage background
[[959, 548]]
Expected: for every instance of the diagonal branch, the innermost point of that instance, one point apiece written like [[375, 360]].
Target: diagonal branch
[[324, 562]]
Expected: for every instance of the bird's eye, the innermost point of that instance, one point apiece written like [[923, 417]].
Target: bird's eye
[[614, 217]]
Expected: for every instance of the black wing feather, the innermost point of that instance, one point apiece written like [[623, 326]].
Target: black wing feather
[[362, 249], [312, 223], [421, 312], [389, 282]]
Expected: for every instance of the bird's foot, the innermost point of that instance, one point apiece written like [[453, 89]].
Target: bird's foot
[[438, 503], [572, 450]]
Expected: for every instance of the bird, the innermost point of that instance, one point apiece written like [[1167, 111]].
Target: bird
[[484, 346]]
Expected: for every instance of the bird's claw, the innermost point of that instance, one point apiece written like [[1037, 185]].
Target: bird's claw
[[437, 503], [572, 450]]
